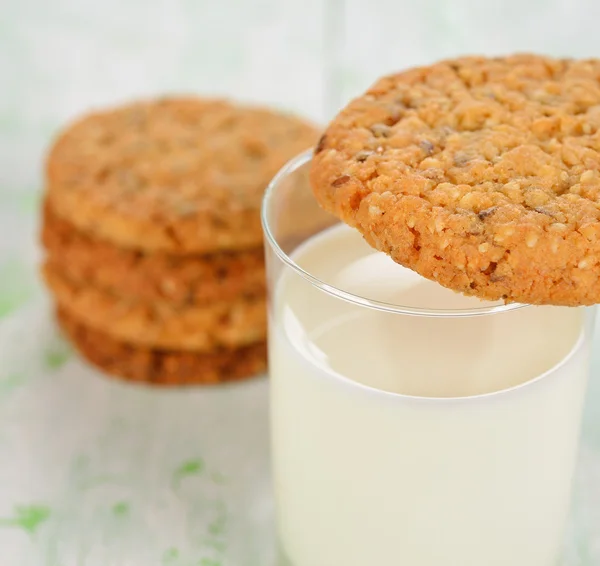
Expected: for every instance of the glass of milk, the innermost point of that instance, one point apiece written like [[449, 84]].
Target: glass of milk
[[411, 425]]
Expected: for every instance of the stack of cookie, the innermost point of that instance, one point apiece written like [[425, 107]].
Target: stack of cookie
[[152, 231]]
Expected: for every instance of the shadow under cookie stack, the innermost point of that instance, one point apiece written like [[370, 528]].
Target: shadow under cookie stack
[[151, 226]]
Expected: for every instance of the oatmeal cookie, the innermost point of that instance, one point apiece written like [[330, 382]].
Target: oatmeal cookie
[[203, 328], [162, 367], [480, 173], [180, 175], [152, 277]]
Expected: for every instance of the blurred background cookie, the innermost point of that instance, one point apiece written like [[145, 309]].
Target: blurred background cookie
[[177, 279], [182, 175], [162, 367], [159, 324], [151, 227]]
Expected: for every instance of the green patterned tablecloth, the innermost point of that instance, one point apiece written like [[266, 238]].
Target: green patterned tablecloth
[[95, 472]]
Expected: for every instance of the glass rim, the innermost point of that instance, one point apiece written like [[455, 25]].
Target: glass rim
[[289, 168]]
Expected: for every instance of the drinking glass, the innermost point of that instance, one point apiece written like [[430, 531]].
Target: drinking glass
[[410, 424]]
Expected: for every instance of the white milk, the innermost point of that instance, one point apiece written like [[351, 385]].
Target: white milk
[[367, 477]]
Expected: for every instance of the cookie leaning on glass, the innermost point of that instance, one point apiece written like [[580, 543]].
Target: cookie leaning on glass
[[481, 174], [153, 240]]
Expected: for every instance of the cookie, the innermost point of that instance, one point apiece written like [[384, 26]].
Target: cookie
[[203, 328], [481, 174], [162, 367], [178, 280], [180, 175]]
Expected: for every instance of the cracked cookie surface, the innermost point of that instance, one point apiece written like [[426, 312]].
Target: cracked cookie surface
[[180, 175], [482, 174]]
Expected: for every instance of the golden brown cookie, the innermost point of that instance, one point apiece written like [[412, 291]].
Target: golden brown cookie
[[481, 174], [203, 328], [179, 280], [162, 367], [180, 175]]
